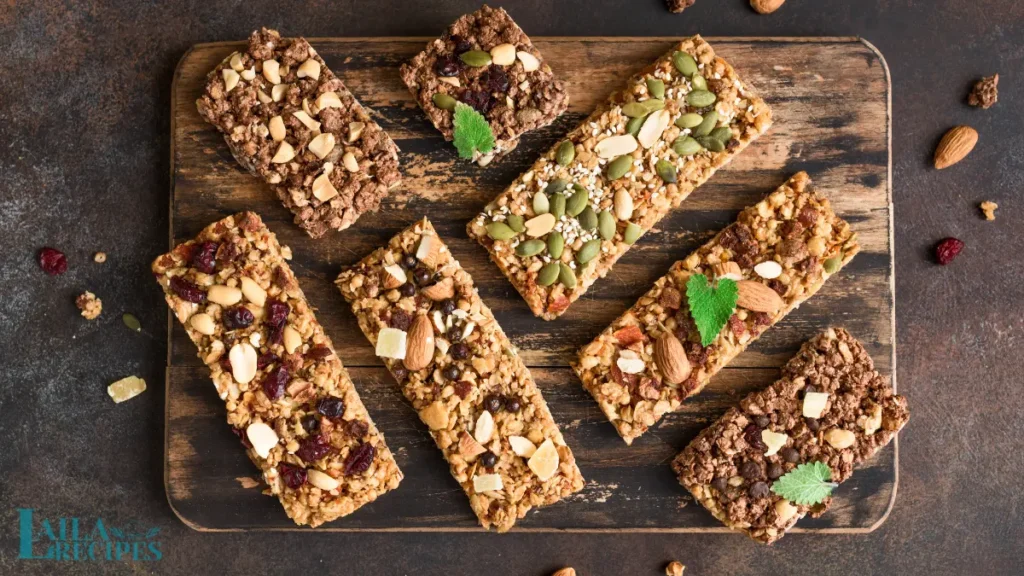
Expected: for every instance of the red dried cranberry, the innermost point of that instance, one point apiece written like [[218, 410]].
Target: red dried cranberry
[[488, 459], [493, 403], [277, 312], [310, 423], [238, 317], [357, 428], [331, 407], [187, 291], [480, 100], [228, 253], [448, 65], [947, 250], [204, 257], [293, 476], [53, 261], [461, 44], [407, 290], [359, 459], [400, 319], [266, 359], [447, 306], [276, 334], [752, 434], [463, 388], [313, 448], [319, 352], [495, 79], [459, 350], [276, 382]]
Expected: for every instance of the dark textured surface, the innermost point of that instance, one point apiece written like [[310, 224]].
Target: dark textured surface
[[84, 158]]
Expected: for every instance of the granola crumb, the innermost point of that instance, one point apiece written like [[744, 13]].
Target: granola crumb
[[90, 305], [988, 207], [677, 6], [99, 257], [985, 92], [674, 568]]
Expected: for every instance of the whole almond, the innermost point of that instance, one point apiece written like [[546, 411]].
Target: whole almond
[[766, 6], [420, 344], [565, 572], [441, 291], [730, 270], [392, 276], [757, 297], [671, 359], [955, 146]]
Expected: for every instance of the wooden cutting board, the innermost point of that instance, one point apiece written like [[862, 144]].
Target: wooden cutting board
[[831, 98]]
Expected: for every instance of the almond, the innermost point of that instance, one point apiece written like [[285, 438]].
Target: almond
[[955, 146], [420, 350], [671, 359], [441, 291], [766, 6], [469, 448], [428, 251], [757, 297], [615, 146], [393, 276], [730, 270]]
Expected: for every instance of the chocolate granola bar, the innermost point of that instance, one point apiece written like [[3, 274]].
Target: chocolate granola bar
[[287, 395], [290, 121], [419, 308], [486, 61], [830, 406], [779, 251], [565, 222]]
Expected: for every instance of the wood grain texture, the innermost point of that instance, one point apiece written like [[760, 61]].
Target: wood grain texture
[[831, 102]]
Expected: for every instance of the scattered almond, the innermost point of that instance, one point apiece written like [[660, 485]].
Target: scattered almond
[[441, 291], [653, 128], [955, 146], [285, 153], [328, 100], [989, 209], [253, 292], [674, 569], [757, 297], [420, 347], [203, 323], [766, 6], [272, 71], [503, 55], [292, 339], [671, 359], [623, 204], [310, 68], [319, 479], [224, 295], [262, 437], [322, 145], [243, 362]]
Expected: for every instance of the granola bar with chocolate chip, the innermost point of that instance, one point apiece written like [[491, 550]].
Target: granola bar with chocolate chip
[[421, 311], [779, 251], [291, 122], [288, 397], [564, 223], [830, 406]]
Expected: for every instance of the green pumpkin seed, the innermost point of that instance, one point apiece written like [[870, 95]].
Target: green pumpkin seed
[[588, 219], [635, 110], [549, 273], [131, 322], [619, 167], [635, 124], [711, 144], [686, 146], [556, 243], [557, 185], [577, 202], [631, 234], [691, 120], [653, 104], [541, 204], [709, 123], [515, 222], [666, 171], [832, 264], [684, 63], [566, 276], [530, 247], [656, 88], [499, 231], [698, 82], [722, 133], [588, 251], [558, 205], [701, 98], [444, 101], [476, 58], [566, 153], [606, 225]]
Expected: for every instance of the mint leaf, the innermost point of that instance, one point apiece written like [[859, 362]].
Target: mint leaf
[[806, 484], [472, 132], [710, 306]]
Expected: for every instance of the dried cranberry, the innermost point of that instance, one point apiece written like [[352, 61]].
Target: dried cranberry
[[293, 476], [513, 405], [407, 290], [187, 291], [241, 436], [752, 434], [204, 257], [313, 448], [238, 317], [452, 372], [480, 100], [266, 359], [448, 65], [228, 253], [357, 428], [359, 459], [447, 306], [310, 423], [947, 250], [488, 459], [319, 352], [331, 407], [493, 403], [276, 335], [463, 388], [409, 261], [276, 382], [461, 44], [277, 312], [459, 351], [778, 286], [495, 79], [400, 319], [53, 261]]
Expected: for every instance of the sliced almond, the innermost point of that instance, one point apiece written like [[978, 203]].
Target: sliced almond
[[253, 292], [438, 321], [319, 479], [629, 363], [653, 128], [235, 61], [503, 55], [530, 62], [394, 276], [814, 404], [262, 437], [487, 483], [469, 448], [435, 416], [670, 357], [441, 291], [730, 270], [839, 438], [277, 129], [243, 362], [391, 343], [540, 225], [522, 446], [757, 297], [420, 349], [292, 339], [355, 130], [309, 69], [278, 91], [284, 154], [350, 162], [544, 461], [322, 145], [769, 269], [230, 79], [429, 250], [774, 440], [328, 100], [467, 329], [272, 71], [623, 204], [615, 146], [484, 429], [224, 295], [307, 120], [203, 323]]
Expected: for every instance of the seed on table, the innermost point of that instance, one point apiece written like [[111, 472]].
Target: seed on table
[[588, 219], [619, 167], [566, 153], [588, 251], [541, 204], [549, 273], [684, 63], [530, 247], [558, 205], [606, 225], [700, 98], [499, 231], [566, 275], [690, 120], [656, 88], [444, 101], [706, 125], [686, 146], [515, 222]]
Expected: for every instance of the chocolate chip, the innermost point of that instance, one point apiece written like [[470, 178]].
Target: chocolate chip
[[493, 403], [488, 459], [750, 470], [407, 290], [421, 275], [459, 351], [812, 424], [775, 470], [762, 420], [759, 490], [452, 372], [790, 455], [409, 261], [513, 405], [447, 306], [720, 484]]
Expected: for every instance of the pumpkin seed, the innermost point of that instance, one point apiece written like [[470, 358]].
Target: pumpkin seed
[[549, 273], [557, 185], [588, 219], [476, 58], [515, 222], [631, 234], [691, 120], [684, 63], [722, 133], [832, 264], [566, 153], [699, 82], [701, 98], [566, 276], [558, 205], [131, 322], [686, 146], [635, 124], [711, 144], [499, 231], [606, 225], [556, 243], [588, 251], [577, 202], [666, 171], [709, 123], [635, 110], [619, 167], [541, 205], [653, 104], [656, 88], [444, 101], [530, 247]]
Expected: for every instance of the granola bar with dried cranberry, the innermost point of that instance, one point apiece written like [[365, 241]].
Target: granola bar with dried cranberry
[[421, 311], [565, 222], [288, 397], [782, 250], [830, 406], [486, 61], [291, 122]]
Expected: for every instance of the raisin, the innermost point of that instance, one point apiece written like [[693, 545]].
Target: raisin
[[461, 45], [227, 253], [359, 459], [409, 261], [448, 65], [454, 334], [266, 359], [204, 257], [779, 287], [481, 101], [313, 448], [238, 317], [493, 403], [276, 382], [495, 79], [319, 353], [400, 319], [54, 262], [513, 405], [447, 306], [331, 407], [752, 434], [277, 312], [463, 388], [947, 250], [187, 291], [421, 275], [459, 351], [293, 476], [808, 216], [357, 428], [407, 290], [276, 334], [451, 372], [310, 423]]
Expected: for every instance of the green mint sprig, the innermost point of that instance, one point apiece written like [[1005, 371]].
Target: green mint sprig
[[710, 306], [807, 484], [472, 132]]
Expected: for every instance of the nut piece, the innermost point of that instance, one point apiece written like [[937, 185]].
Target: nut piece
[[421, 345], [89, 304], [522, 446], [350, 162], [623, 204], [530, 62], [307, 120], [285, 153], [203, 323], [653, 128], [484, 429], [292, 339], [544, 461], [674, 569], [277, 129], [757, 297], [243, 362], [99, 257], [441, 291], [470, 448], [435, 416], [318, 478], [429, 250], [126, 389], [355, 130], [629, 363], [310, 68], [989, 209], [394, 276], [391, 343], [872, 421], [277, 92], [774, 440], [565, 572], [766, 6], [262, 438], [955, 146], [224, 295], [503, 55], [323, 189], [328, 100], [540, 225], [671, 359], [615, 146], [253, 292], [730, 270], [487, 483], [322, 145], [769, 269], [785, 511], [272, 71], [840, 438], [230, 79], [985, 92], [814, 404]]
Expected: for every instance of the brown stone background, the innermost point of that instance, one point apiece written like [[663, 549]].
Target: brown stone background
[[84, 121]]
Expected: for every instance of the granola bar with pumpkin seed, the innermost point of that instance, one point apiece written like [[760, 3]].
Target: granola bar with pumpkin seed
[[565, 222], [421, 311], [292, 123], [288, 397], [780, 251], [830, 406]]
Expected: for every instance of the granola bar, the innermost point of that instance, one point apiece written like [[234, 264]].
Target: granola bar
[[419, 308], [565, 222], [486, 61], [780, 251], [830, 406], [291, 122], [287, 395]]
